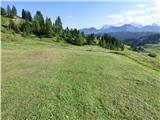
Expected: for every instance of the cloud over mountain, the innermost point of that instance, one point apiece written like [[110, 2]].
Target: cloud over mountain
[[143, 14]]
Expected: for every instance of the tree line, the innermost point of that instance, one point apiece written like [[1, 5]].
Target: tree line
[[45, 28], [10, 12]]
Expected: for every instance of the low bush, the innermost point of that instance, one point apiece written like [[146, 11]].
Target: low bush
[[152, 55]]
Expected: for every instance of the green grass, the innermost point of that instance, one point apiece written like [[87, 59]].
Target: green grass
[[155, 49], [43, 79]]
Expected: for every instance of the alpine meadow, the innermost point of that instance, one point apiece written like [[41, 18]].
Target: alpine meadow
[[56, 66]]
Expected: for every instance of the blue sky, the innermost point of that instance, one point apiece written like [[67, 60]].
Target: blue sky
[[84, 14]]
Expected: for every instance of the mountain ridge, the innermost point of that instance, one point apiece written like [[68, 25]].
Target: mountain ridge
[[123, 28]]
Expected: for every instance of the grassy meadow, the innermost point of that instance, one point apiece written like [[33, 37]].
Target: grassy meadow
[[44, 79]]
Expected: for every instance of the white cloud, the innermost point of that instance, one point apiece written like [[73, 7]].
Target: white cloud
[[69, 16], [141, 5], [143, 14]]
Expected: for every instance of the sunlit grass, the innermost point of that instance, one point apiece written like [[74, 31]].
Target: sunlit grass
[[50, 80]]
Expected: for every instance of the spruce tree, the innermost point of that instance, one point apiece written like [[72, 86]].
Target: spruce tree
[[79, 39], [110, 42], [23, 14], [26, 28], [8, 11], [91, 39], [39, 22], [26, 15], [39, 17], [67, 34], [36, 28], [14, 11], [48, 27], [3, 11], [58, 25], [29, 16]]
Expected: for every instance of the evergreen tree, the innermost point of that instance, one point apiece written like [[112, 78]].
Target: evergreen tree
[[29, 16], [79, 39], [13, 11], [74, 37], [3, 11], [122, 47], [91, 39], [58, 25], [26, 28], [39, 23], [48, 27], [110, 42], [8, 11], [23, 14], [36, 28], [66, 34], [26, 15], [39, 17]]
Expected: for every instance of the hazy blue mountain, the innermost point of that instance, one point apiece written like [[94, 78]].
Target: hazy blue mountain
[[123, 28], [105, 27], [126, 31], [137, 25], [128, 35], [151, 28], [89, 30]]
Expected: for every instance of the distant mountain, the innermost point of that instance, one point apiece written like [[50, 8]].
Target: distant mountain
[[128, 35], [137, 25], [123, 28], [105, 27], [151, 28], [89, 30]]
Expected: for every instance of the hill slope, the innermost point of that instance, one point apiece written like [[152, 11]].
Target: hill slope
[[43, 79], [149, 39]]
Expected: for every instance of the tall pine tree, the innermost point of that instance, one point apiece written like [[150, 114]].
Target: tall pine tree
[[23, 14], [3, 11], [58, 25], [26, 28], [39, 23], [48, 27], [26, 15], [91, 39], [8, 11], [36, 28], [13, 11], [29, 16]]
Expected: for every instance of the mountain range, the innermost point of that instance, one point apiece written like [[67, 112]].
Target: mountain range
[[122, 28]]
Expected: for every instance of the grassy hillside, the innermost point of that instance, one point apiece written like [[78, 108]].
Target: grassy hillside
[[155, 48], [45, 79], [5, 20]]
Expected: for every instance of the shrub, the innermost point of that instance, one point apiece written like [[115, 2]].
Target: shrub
[[137, 49], [152, 55], [13, 26]]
